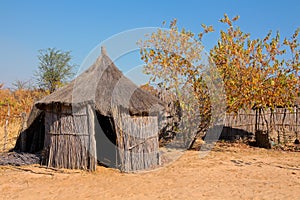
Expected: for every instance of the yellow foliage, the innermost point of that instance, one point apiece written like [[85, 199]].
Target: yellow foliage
[[17, 102], [12, 105]]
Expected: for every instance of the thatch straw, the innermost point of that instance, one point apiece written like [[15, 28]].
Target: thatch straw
[[104, 84]]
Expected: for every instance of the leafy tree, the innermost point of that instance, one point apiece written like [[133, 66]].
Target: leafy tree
[[54, 69], [254, 71], [293, 64], [173, 59]]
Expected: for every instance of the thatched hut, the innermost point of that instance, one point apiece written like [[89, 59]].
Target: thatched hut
[[100, 116]]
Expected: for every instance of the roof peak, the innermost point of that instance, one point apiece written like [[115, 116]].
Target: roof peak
[[103, 50]]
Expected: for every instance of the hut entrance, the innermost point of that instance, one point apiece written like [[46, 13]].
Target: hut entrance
[[32, 139], [107, 152], [69, 137]]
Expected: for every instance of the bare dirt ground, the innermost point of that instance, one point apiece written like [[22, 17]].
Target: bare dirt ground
[[228, 172]]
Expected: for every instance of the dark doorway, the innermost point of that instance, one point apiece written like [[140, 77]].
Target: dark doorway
[[107, 151], [32, 139]]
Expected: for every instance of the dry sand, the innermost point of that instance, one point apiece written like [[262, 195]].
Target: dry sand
[[228, 172]]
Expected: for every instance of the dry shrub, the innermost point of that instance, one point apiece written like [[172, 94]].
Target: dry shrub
[[12, 105], [13, 130]]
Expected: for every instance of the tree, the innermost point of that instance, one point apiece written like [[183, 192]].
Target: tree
[[293, 63], [254, 71], [173, 59], [21, 85], [257, 73], [54, 70]]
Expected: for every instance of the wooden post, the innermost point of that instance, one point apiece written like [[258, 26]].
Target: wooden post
[[297, 126], [6, 126], [256, 120], [23, 128], [92, 141], [283, 127]]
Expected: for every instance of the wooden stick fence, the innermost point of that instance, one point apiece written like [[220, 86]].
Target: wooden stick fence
[[6, 122], [282, 123]]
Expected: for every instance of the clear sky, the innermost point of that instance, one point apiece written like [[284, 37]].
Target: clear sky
[[27, 26]]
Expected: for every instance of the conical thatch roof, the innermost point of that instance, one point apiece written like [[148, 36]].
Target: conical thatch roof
[[104, 85]]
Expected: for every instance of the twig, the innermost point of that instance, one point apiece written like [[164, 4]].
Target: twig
[[57, 170], [31, 171]]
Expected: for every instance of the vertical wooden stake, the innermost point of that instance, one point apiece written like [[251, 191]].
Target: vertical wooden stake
[[5, 127], [297, 126], [23, 128], [92, 141]]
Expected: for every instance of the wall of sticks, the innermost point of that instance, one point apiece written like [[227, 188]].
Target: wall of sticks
[[282, 124], [70, 138], [137, 140]]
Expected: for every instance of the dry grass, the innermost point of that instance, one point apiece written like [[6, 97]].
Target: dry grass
[[12, 105], [13, 130]]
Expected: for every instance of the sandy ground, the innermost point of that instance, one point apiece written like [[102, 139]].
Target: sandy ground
[[228, 172]]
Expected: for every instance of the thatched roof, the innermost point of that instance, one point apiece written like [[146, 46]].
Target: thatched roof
[[104, 85]]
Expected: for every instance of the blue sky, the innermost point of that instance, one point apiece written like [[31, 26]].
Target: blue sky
[[27, 26]]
